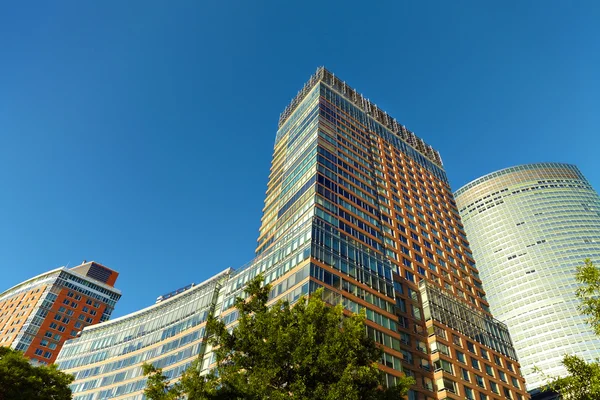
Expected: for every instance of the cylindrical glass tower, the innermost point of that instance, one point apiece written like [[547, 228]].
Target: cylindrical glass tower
[[529, 227]]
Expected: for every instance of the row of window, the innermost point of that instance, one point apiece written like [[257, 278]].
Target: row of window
[[42, 353], [469, 394]]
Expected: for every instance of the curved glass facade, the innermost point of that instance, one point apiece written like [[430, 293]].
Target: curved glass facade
[[530, 226], [106, 360]]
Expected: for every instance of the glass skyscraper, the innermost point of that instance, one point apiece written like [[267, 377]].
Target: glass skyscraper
[[530, 226], [360, 206]]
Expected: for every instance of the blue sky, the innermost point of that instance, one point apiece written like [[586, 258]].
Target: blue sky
[[139, 133]]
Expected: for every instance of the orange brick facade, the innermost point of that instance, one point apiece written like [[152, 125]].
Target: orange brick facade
[[381, 191], [39, 315], [14, 312]]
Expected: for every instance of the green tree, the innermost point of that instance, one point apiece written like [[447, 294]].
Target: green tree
[[192, 385], [582, 382], [157, 386], [583, 379], [308, 351], [588, 275], [19, 379]]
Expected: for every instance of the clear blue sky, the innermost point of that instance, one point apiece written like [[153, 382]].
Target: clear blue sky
[[139, 133]]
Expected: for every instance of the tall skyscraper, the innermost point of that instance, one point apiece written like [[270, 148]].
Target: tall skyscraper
[[358, 205], [530, 226], [39, 315]]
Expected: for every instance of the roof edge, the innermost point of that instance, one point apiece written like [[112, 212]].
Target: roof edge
[[507, 170], [377, 114]]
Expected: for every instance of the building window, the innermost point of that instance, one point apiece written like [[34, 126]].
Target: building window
[[440, 332], [494, 387], [469, 393], [497, 360], [456, 340], [441, 347], [471, 347], [484, 353], [479, 380], [39, 352], [502, 376], [449, 385], [444, 365], [465, 375]]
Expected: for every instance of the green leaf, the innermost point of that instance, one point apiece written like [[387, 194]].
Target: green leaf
[[19, 379]]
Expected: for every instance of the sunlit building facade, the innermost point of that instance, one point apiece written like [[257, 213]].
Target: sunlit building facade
[[106, 360], [530, 227], [37, 316], [360, 206]]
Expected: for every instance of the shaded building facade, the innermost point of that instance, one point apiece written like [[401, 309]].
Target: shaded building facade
[[360, 206], [530, 227], [39, 315]]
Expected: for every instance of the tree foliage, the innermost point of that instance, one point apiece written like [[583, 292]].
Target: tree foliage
[[192, 385], [308, 351], [19, 379], [582, 382], [588, 275], [583, 379]]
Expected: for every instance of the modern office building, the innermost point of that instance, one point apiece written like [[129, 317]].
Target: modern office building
[[530, 226], [106, 360], [356, 204], [38, 315]]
